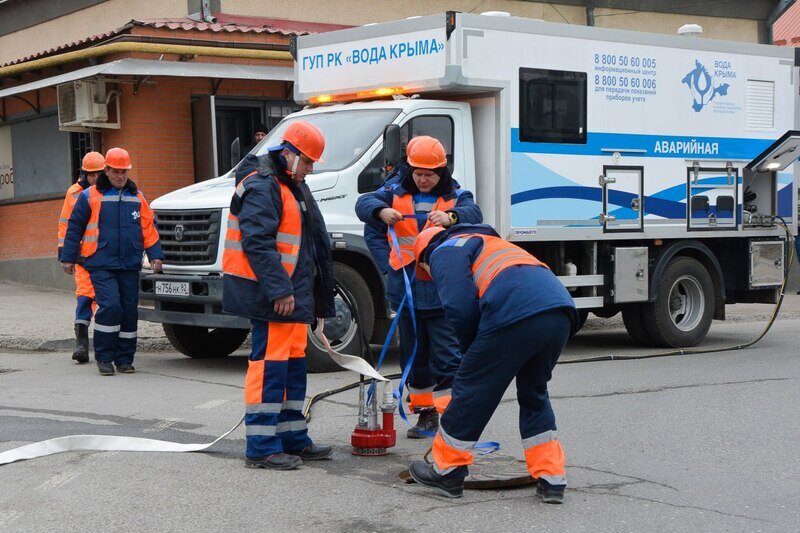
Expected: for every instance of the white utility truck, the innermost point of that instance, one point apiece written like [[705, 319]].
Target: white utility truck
[[647, 170]]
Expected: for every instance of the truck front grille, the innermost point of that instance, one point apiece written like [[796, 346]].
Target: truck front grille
[[189, 237]]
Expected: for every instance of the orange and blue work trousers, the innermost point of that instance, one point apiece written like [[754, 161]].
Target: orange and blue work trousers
[[275, 389], [84, 293], [526, 350]]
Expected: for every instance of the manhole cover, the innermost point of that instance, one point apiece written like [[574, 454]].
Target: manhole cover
[[493, 471]]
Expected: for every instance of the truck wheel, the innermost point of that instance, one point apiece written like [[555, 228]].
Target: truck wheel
[[684, 306], [634, 324], [204, 343], [342, 331]]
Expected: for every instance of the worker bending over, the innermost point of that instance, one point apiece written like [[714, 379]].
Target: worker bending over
[[513, 318]]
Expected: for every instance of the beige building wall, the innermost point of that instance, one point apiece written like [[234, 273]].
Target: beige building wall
[[96, 19], [713, 28], [359, 12], [114, 13]]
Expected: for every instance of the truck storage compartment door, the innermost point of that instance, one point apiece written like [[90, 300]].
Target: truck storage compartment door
[[622, 198]]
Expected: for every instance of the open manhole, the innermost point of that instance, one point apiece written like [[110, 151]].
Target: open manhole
[[492, 471]]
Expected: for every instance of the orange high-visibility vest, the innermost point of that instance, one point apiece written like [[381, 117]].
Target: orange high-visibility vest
[[234, 260], [91, 234], [496, 256], [407, 229], [70, 200]]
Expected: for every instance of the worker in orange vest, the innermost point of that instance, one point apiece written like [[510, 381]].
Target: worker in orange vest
[[423, 196], [513, 318], [278, 272], [92, 166], [111, 227]]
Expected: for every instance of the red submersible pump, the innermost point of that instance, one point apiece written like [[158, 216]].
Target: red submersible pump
[[369, 437]]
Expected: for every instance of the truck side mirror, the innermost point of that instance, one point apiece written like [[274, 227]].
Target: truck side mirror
[[391, 145], [236, 152]]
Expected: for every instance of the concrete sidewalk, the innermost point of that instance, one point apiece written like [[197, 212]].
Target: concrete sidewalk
[[41, 320], [36, 319]]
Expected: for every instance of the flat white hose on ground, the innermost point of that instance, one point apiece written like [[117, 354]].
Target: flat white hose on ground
[[73, 443]]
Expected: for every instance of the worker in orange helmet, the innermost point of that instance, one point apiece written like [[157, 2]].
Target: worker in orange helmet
[[425, 196], [111, 227], [278, 272], [92, 166], [513, 318]]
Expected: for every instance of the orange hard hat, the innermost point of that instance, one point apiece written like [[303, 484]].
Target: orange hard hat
[[93, 162], [118, 158], [307, 138], [426, 152], [411, 143], [422, 242]]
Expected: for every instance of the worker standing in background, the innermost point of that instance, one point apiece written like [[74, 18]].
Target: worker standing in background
[[111, 226], [513, 318], [92, 166], [278, 272], [426, 195]]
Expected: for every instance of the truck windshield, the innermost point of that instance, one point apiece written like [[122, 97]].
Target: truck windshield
[[348, 134]]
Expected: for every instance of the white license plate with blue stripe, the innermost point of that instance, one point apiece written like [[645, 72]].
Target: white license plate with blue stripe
[[172, 288]]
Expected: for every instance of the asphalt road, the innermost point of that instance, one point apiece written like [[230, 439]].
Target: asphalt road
[[690, 443]]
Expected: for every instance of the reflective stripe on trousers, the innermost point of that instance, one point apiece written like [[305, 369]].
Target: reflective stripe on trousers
[[544, 457]]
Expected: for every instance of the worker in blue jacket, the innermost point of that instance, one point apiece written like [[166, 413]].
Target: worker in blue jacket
[[513, 318], [425, 195], [278, 272], [110, 228]]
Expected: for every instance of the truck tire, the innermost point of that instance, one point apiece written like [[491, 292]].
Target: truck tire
[[342, 331], [684, 306], [634, 324], [204, 343]]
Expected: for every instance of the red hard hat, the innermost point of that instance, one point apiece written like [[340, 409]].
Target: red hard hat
[[426, 152], [118, 158], [93, 162], [307, 138], [422, 242]]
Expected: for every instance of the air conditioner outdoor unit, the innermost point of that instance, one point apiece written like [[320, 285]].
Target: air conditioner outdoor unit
[[80, 102]]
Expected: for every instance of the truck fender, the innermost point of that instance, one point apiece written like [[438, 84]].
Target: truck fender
[[702, 253]]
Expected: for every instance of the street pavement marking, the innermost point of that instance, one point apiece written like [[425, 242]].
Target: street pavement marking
[[8, 516], [58, 480], [162, 425], [211, 404], [10, 411]]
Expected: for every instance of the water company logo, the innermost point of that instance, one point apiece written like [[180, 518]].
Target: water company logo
[[701, 85], [135, 215]]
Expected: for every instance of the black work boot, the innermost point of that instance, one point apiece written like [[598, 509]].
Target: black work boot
[[428, 421], [313, 452], [81, 353], [276, 461], [105, 369], [549, 493], [126, 369], [450, 485]]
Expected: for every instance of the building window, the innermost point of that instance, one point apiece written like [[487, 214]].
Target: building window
[[80, 145], [552, 106]]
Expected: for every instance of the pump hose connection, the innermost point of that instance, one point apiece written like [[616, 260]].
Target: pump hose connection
[[367, 351]]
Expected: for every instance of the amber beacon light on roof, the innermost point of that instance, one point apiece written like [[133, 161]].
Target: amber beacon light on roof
[[361, 95]]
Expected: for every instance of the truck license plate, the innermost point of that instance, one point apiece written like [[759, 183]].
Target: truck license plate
[[172, 288]]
